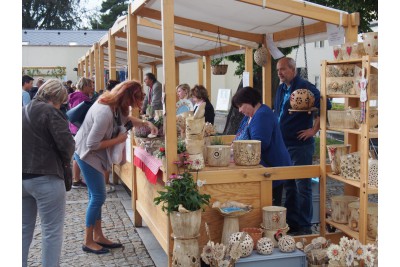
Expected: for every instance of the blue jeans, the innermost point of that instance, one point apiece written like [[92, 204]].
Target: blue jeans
[[299, 192], [46, 195], [96, 190]]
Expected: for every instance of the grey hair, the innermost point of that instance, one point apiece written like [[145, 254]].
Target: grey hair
[[83, 82], [52, 91]]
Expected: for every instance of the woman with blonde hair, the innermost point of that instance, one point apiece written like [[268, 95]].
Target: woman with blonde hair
[[46, 145], [94, 140]]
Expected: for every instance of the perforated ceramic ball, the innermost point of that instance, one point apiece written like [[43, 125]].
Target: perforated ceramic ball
[[302, 99], [287, 244], [246, 245], [265, 246], [260, 56]]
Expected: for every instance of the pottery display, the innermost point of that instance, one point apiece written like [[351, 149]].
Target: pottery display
[[334, 153], [340, 210], [247, 152], [265, 246], [341, 119], [373, 117], [255, 233], [352, 50], [347, 70], [218, 155], [337, 52], [302, 99], [341, 85], [274, 217], [370, 43], [246, 245], [276, 234], [350, 166], [372, 172], [287, 244], [194, 146], [195, 126]]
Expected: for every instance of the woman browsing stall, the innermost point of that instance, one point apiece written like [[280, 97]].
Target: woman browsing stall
[[94, 141], [260, 123]]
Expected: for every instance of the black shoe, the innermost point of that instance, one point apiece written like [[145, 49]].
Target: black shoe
[[112, 245], [99, 251], [79, 184]]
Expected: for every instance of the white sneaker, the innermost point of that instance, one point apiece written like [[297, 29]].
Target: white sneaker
[[110, 188]]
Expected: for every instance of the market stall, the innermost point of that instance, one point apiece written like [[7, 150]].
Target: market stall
[[187, 30]]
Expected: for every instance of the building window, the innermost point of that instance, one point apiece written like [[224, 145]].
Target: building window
[[319, 44], [317, 82]]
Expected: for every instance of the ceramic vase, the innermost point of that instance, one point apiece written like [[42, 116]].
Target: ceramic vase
[[334, 153], [371, 43], [186, 228]]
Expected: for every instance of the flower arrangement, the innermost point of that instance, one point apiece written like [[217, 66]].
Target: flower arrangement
[[181, 147], [219, 255], [351, 253], [182, 192]]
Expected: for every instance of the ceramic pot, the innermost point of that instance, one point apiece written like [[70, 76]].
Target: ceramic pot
[[260, 56], [372, 222], [247, 152], [302, 99], [371, 43], [218, 155], [337, 52], [274, 217], [354, 214], [340, 210], [255, 233], [195, 126], [186, 228]]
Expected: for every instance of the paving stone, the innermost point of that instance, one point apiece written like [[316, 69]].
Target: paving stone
[[116, 225]]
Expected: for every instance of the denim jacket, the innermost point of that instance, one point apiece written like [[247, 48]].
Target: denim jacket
[[46, 141]]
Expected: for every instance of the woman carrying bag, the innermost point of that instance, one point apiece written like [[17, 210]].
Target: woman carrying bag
[[94, 142], [46, 144]]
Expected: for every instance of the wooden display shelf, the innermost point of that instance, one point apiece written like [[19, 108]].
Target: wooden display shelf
[[344, 62], [344, 228], [352, 131], [342, 96], [354, 183]]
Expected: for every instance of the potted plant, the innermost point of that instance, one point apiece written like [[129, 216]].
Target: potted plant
[[183, 202]]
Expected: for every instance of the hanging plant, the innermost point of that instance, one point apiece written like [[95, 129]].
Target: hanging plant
[[217, 67]]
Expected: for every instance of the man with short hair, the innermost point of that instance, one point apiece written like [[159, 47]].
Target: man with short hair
[[34, 89], [153, 96], [27, 83], [298, 133]]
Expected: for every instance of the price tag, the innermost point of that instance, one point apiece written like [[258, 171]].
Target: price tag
[[363, 87]]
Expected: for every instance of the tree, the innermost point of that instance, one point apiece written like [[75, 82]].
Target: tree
[[50, 14], [111, 10]]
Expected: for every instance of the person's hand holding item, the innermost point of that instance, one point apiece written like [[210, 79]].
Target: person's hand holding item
[[122, 136], [153, 128]]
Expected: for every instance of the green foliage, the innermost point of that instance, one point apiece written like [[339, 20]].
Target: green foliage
[[182, 189], [57, 72], [50, 14], [368, 10], [181, 146], [110, 11], [337, 106], [216, 140], [329, 141]]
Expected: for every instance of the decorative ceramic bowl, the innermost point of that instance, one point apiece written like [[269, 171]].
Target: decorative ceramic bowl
[[274, 217], [373, 118], [265, 246], [260, 56], [354, 214], [287, 244], [218, 155], [371, 43], [247, 152], [340, 210], [246, 245], [302, 99]]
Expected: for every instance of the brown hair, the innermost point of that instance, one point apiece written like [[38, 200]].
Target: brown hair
[[125, 94], [200, 92]]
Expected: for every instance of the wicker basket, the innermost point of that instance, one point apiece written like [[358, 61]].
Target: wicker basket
[[219, 69], [341, 119], [151, 145]]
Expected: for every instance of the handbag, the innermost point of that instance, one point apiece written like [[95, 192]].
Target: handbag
[[66, 165], [77, 114]]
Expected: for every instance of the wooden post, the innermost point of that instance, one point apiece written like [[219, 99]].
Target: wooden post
[[208, 75], [267, 80], [154, 69], [97, 68], [168, 52], [249, 64], [111, 56], [91, 63], [141, 75], [200, 71], [176, 73], [101, 67], [86, 66]]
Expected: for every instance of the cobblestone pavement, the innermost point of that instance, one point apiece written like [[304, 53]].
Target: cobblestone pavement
[[116, 225]]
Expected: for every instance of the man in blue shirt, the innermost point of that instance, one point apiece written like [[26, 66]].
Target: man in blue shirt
[[298, 132], [27, 83]]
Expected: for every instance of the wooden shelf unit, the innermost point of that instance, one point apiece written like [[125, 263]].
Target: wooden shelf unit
[[359, 140]]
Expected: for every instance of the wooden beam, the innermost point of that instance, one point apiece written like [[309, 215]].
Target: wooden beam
[[91, 63], [352, 31], [200, 74], [204, 26], [104, 40], [121, 34], [118, 27], [137, 5], [86, 66], [141, 75], [111, 56], [176, 76], [132, 39], [208, 75], [183, 58], [267, 80], [97, 68], [177, 48], [225, 49], [294, 32], [101, 66], [249, 64], [303, 9], [147, 23], [154, 69]]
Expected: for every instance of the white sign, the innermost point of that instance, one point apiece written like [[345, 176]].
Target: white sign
[[335, 34], [128, 146], [223, 99], [246, 78], [275, 52]]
